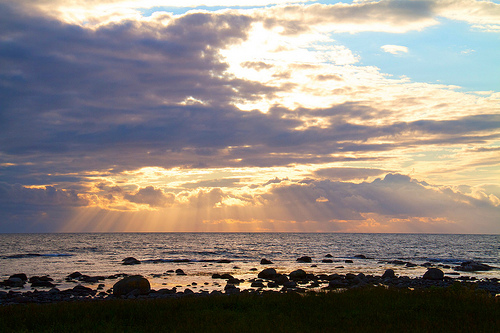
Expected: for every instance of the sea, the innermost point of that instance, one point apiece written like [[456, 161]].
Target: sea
[[199, 255]]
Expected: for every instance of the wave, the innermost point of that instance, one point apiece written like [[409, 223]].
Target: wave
[[31, 255]]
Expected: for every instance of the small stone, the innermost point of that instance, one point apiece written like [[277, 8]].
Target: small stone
[[264, 261], [74, 275], [328, 256], [257, 284], [306, 259], [327, 261], [130, 261], [348, 261], [180, 272]]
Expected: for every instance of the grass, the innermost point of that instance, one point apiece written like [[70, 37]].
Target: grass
[[455, 309]]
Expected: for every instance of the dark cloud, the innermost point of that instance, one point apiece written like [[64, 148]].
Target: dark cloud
[[151, 196], [110, 99], [47, 196]]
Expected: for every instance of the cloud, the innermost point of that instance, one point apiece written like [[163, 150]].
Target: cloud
[[45, 196], [394, 49], [84, 105], [152, 197], [348, 173]]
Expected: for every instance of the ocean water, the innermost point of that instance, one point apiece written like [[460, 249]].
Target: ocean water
[[58, 255]]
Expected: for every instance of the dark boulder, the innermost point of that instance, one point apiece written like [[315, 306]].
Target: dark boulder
[[130, 261], [130, 283], [304, 259], [328, 256], [226, 276], [257, 284], [14, 282], [434, 274], [348, 261], [264, 261], [80, 290], [74, 275], [298, 274], [21, 276], [280, 279], [473, 266], [388, 274], [180, 272], [42, 284], [268, 273], [224, 261], [327, 261]]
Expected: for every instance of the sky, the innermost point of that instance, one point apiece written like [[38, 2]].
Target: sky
[[250, 116]]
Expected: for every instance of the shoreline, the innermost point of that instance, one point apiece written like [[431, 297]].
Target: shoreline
[[260, 281]]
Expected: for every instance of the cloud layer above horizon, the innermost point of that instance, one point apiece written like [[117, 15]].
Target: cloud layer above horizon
[[146, 116]]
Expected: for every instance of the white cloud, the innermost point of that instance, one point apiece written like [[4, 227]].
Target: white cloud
[[394, 49]]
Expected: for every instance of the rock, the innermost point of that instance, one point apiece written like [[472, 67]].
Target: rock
[[21, 276], [327, 261], [348, 261], [14, 282], [298, 274], [42, 284], [304, 259], [328, 256], [257, 284], [337, 283], [253, 269], [126, 285], [80, 290], [360, 256], [409, 265], [223, 261], [264, 261], [473, 266], [40, 278], [388, 274], [179, 271], [130, 261], [74, 275], [268, 273], [226, 276], [434, 274], [280, 279]]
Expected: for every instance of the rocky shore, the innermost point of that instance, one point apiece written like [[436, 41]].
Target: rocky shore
[[45, 290]]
